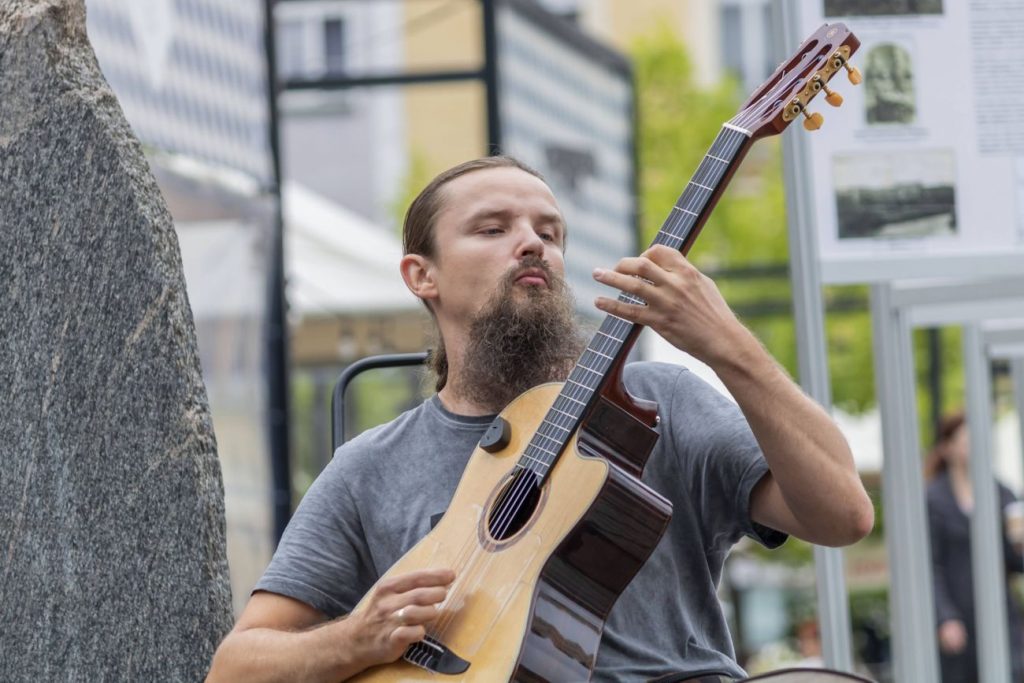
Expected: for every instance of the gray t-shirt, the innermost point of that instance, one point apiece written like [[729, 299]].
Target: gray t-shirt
[[383, 490]]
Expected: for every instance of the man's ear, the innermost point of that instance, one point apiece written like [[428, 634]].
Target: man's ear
[[418, 272]]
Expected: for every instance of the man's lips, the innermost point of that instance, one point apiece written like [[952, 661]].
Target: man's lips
[[533, 277]]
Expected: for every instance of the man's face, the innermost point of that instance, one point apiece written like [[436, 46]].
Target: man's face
[[490, 222]]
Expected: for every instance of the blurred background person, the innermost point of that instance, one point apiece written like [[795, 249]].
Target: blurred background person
[[950, 505]]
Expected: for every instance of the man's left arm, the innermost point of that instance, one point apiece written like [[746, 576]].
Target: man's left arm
[[812, 489]]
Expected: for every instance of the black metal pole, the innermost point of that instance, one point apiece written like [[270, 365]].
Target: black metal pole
[[366, 81], [276, 349], [490, 74]]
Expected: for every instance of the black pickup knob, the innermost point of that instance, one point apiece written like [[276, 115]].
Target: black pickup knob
[[497, 435]]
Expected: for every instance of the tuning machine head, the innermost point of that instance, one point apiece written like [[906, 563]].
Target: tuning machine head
[[853, 73], [831, 96], [813, 121]]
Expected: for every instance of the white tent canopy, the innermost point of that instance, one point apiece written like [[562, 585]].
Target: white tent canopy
[[337, 261]]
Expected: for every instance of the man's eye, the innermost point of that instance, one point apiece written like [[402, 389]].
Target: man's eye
[[492, 230], [547, 236]]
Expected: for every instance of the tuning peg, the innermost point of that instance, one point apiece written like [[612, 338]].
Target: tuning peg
[[832, 97], [853, 73], [813, 121]]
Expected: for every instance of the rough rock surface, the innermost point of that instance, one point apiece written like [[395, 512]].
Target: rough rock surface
[[112, 560]]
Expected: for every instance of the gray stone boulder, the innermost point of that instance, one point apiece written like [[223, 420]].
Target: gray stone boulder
[[112, 559]]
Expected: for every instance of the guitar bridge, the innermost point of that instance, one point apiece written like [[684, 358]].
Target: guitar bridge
[[432, 655]]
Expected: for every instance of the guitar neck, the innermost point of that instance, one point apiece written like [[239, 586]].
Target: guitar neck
[[615, 336]]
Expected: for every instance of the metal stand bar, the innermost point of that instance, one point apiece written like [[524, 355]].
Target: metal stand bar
[[394, 360], [912, 610], [989, 570], [812, 357]]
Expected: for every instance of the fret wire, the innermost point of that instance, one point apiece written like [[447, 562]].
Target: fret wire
[[547, 433], [541, 448], [551, 439], [570, 415], [598, 353], [588, 388], [558, 426], [670, 227], [709, 173], [617, 328], [560, 420], [573, 392], [679, 208], [709, 189], [669, 235], [573, 400], [581, 365], [608, 335], [536, 460], [598, 366]]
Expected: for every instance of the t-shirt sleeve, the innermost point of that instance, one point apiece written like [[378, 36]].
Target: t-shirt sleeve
[[722, 463], [323, 559]]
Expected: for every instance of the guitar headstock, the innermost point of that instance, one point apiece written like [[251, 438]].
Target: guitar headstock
[[787, 92]]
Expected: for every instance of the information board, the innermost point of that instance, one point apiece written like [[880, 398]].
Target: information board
[[920, 172]]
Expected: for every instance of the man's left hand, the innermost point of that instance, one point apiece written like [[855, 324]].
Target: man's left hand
[[683, 305]]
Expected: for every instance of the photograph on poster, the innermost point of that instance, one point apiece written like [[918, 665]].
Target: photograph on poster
[[866, 8], [886, 196], [889, 85]]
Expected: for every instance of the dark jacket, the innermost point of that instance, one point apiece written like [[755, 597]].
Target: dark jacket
[[950, 530]]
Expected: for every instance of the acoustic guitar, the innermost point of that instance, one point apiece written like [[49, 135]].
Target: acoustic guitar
[[550, 520]]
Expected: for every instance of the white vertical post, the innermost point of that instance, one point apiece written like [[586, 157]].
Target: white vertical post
[[1017, 377], [986, 535], [812, 356], [911, 607]]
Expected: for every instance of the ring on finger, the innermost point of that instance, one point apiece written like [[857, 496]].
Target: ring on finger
[[401, 615]]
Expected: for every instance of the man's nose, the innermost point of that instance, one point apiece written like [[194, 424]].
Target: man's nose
[[529, 242]]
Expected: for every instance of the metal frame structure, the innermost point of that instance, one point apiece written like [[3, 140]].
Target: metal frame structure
[[897, 309], [487, 73], [982, 345], [812, 357]]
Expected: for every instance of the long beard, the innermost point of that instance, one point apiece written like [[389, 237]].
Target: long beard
[[520, 339]]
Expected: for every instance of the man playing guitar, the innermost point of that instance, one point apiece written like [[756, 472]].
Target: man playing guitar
[[484, 249]]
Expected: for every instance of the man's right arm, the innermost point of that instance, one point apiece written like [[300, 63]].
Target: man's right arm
[[278, 638]]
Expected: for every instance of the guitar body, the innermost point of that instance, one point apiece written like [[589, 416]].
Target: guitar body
[[532, 607]]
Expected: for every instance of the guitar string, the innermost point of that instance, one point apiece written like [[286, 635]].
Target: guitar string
[[522, 483]]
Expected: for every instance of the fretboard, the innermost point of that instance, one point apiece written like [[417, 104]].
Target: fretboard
[[609, 344]]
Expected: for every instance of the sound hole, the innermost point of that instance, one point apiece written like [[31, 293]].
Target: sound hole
[[514, 505]]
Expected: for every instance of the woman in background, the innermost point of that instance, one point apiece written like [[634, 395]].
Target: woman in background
[[950, 504]]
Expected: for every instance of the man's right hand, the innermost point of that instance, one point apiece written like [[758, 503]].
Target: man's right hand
[[278, 638], [952, 636], [397, 614]]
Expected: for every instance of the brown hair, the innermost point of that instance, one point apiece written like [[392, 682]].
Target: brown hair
[[418, 232], [935, 462]]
